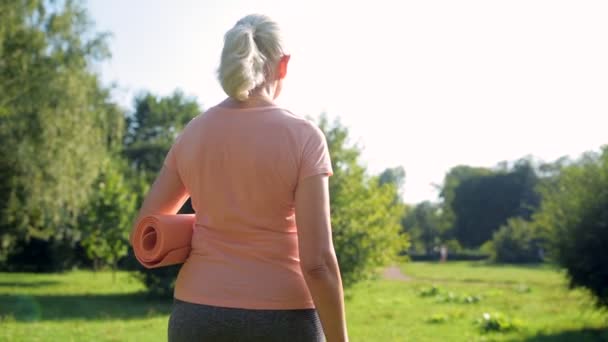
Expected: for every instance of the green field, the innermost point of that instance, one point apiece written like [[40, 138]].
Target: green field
[[441, 302]]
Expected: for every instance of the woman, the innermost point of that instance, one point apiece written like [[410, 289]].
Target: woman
[[263, 265]]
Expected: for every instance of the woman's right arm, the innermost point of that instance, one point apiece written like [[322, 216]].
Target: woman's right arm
[[318, 257]]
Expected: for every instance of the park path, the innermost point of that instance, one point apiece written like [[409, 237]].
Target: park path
[[394, 273]]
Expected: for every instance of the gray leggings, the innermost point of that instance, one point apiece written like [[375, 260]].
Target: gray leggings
[[198, 322]]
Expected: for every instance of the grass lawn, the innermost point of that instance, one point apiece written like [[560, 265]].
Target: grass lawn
[[441, 302]]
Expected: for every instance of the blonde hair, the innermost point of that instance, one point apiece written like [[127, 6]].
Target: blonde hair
[[252, 50]]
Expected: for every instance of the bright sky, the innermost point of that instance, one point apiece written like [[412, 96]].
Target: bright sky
[[422, 84]]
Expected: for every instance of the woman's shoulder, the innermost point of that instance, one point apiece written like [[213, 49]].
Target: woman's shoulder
[[304, 126]]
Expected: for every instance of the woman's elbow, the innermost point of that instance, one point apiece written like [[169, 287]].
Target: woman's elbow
[[319, 266]]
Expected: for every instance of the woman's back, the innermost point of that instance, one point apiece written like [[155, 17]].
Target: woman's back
[[241, 167], [250, 168]]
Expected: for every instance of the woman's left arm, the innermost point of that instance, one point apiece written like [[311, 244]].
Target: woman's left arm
[[166, 196]]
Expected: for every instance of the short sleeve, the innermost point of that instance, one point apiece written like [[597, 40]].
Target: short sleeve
[[315, 156]]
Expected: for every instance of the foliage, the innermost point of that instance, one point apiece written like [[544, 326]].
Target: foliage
[[365, 216], [159, 282], [395, 176], [516, 242], [153, 126], [498, 322], [443, 296], [453, 246], [473, 211], [423, 225], [429, 291], [45, 255], [106, 222], [437, 318], [57, 123], [574, 214]]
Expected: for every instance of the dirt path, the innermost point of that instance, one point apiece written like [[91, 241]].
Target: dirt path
[[394, 273]]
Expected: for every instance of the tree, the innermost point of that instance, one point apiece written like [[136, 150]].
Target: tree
[[395, 176], [478, 201], [423, 226], [153, 127], [57, 123], [574, 215], [452, 180], [517, 242], [106, 222], [365, 216]]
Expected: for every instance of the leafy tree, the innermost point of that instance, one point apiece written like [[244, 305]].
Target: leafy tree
[[106, 222], [57, 123], [365, 216], [423, 225], [395, 175], [574, 214], [478, 201], [452, 180], [516, 242], [153, 127]]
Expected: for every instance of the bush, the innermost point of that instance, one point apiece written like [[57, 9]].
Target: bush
[[159, 282], [106, 221], [442, 296], [497, 322], [366, 214], [574, 214], [40, 255], [453, 247], [516, 242]]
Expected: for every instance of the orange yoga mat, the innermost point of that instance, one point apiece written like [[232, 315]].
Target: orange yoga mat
[[163, 240]]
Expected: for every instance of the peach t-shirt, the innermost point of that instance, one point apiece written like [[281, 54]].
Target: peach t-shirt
[[241, 168]]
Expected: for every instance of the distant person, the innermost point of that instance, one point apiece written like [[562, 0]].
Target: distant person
[[443, 252], [263, 265]]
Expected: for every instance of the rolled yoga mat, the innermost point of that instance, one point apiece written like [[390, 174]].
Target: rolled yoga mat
[[163, 240]]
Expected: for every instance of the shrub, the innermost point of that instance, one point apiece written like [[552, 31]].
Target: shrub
[[516, 242], [159, 282], [429, 291], [453, 247], [497, 322], [106, 221], [366, 213], [40, 255], [574, 214], [437, 318], [448, 297]]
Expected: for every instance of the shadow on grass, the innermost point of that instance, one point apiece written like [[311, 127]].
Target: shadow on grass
[[29, 284], [88, 307], [583, 335]]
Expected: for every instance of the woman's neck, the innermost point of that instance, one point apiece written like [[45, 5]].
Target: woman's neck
[[251, 102], [259, 97]]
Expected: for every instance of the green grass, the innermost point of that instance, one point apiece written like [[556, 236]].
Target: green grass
[[86, 306]]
